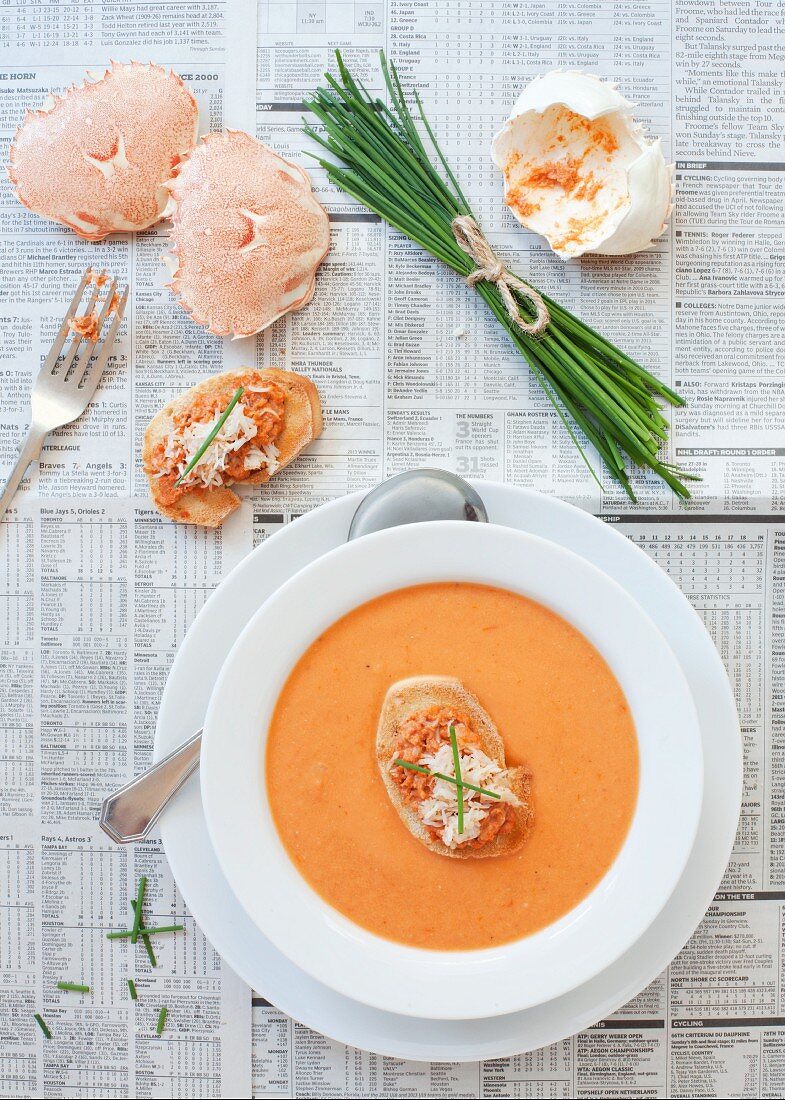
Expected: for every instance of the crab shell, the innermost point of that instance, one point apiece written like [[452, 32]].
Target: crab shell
[[579, 170], [97, 158], [248, 235]]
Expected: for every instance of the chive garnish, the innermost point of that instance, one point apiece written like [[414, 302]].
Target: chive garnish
[[456, 756], [448, 778], [128, 932], [221, 421], [138, 909], [161, 1020], [42, 1024], [73, 987], [378, 154], [132, 989], [148, 946]]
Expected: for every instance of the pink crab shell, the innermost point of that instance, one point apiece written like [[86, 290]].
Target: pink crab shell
[[248, 235], [97, 158]]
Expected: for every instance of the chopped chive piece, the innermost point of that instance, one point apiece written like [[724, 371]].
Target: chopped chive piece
[[128, 933], [148, 946], [138, 909], [42, 1024], [412, 767], [73, 987], [161, 1020], [221, 421], [132, 989], [456, 756], [149, 949], [448, 778]]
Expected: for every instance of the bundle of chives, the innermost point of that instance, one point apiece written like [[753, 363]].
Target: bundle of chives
[[384, 165]]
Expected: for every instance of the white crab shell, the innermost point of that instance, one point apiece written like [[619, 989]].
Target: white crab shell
[[579, 170], [247, 234]]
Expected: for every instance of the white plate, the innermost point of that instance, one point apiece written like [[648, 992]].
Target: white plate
[[451, 985], [234, 935]]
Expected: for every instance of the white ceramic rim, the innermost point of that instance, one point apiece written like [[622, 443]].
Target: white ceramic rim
[[445, 985], [261, 966]]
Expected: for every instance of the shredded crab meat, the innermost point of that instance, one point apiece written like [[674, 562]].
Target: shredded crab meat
[[86, 325], [237, 430], [424, 740]]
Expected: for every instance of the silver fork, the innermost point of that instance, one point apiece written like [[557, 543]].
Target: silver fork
[[66, 382]]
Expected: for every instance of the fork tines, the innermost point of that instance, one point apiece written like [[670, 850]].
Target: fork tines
[[87, 329]]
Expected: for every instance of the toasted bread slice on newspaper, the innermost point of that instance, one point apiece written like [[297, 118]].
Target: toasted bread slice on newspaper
[[436, 702], [210, 505]]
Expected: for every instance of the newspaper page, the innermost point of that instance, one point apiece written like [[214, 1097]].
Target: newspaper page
[[413, 372], [96, 592]]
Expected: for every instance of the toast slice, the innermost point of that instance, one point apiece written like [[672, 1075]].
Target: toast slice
[[302, 423], [420, 693]]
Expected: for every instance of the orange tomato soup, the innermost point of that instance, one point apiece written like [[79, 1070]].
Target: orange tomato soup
[[555, 702]]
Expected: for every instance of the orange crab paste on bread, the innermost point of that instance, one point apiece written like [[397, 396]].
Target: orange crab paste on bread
[[244, 445], [559, 710]]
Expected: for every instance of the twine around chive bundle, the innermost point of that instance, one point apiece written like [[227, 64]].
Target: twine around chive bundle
[[490, 269]]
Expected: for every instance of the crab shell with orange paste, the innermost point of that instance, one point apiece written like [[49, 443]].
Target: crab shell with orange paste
[[247, 232], [97, 158], [579, 169]]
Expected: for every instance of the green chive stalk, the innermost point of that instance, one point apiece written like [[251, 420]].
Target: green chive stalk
[[148, 943], [128, 933], [445, 777], [456, 759], [42, 1024], [592, 385], [138, 909]]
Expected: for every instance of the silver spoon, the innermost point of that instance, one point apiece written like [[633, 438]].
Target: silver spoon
[[130, 813]]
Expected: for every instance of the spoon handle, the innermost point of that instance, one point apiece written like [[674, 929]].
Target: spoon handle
[[130, 813]]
